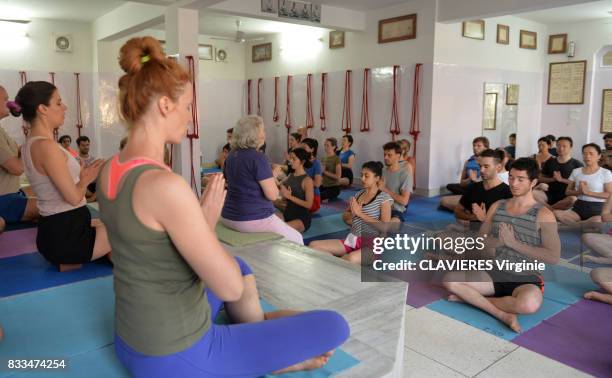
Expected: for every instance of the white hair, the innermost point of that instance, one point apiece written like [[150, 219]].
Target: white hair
[[246, 132]]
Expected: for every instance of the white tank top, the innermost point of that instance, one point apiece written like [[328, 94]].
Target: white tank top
[[50, 201]]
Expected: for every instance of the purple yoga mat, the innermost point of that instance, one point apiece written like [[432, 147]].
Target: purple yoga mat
[[423, 293], [14, 243], [580, 336]]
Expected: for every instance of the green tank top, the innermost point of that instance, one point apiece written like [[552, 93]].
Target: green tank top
[[160, 304]]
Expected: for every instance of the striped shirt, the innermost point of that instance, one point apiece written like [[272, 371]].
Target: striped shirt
[[371, 209]]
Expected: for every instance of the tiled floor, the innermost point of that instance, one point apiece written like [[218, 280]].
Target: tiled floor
[[438, 346]]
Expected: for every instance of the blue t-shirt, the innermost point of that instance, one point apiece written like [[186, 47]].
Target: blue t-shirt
[[472, 165], [315, 169], [245, 199], [344, 156]]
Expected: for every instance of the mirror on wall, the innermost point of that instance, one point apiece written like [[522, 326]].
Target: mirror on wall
[[499, 115]]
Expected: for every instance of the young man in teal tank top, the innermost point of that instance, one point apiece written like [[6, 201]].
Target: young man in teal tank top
[[504, 293]]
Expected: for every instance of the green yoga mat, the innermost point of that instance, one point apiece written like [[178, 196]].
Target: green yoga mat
[[240, 239]]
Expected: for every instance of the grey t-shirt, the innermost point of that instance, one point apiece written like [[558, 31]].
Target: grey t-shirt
[[397, 182], [8, 149]]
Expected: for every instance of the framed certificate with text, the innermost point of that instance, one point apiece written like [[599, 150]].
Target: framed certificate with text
[[606, 111], [566, 82]]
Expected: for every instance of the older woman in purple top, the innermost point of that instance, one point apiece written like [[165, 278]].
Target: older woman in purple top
[[251, 187]]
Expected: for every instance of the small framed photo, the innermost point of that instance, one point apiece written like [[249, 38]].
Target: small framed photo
[[512, 94], [205, 52], [528, 40], [397, 29], [303, 10], [284, 8], [503, 34], [315, 15], [269, 6], [557, 44], [336, 39], [474, 29], [262, 52], [221, 55]]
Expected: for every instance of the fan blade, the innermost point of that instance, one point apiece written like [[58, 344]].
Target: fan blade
[[223, 38]]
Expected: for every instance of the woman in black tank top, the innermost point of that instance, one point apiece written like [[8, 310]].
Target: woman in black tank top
[[298, 191]]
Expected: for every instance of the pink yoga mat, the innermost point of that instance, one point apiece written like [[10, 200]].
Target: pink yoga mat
[[580, 336], [15, 243]]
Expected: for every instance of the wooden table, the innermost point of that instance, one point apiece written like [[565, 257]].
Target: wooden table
[[290, 276]]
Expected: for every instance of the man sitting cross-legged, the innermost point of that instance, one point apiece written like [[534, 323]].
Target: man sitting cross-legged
[[534, 236]]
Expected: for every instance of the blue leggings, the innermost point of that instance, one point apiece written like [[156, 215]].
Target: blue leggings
[[243, 350]]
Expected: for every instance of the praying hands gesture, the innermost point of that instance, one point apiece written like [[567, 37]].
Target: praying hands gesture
[[479, 211], [285, 191], [213, 199], [583, 188], [557, 176], [473, 176], [506, 235], [356, 208]]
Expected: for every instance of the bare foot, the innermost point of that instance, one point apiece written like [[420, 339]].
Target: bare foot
[[597, 296], [590, 295], [511, 321], [311, 364], [598, 260], [454, 298]]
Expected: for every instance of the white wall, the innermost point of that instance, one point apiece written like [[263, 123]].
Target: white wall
[[361, 50], [581, 122], [506, 116], [461, 68], [37, 53]]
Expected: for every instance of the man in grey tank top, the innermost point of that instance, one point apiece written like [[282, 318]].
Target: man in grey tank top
[[519, 232]]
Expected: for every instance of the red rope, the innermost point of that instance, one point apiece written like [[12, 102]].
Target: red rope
[[249, 97], [309, 118], [259, 81], [288, 109], [394, 128], [365, 114], [275, 117], [346, 109], [55, 131], [415, 127], [194, 133], [322, 115], [79, 118], [23, 78]]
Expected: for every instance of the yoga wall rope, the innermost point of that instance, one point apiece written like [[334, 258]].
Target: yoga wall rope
[[322, 115], [365, 114], [394, 127], [415, 127], [288, 109], [275, 117], [346, 109], [249, 97], [55, 131], [194, 133], [309, 117], [79, 118], [23, 79], [259, 81]]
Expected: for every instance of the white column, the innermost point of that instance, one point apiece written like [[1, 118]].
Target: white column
[[182, 39]]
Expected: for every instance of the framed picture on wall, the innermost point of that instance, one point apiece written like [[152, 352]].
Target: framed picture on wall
[[285, 7], [474, 29], [557, 44], [205, 52], [315, 15], [512, 94], [503, 34], [336, 39], [262, 53], [528, 40], [397, 29], [606, 111], [566, 83], [490, 111], [269, 6]]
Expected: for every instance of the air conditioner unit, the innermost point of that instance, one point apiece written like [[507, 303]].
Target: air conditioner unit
[[62, 42]]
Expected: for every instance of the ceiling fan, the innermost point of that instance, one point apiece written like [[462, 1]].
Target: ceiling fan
[[240, 37], [15, 21]]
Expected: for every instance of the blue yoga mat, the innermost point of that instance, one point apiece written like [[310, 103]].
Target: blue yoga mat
[[341, 235], [30, 272], [565, 285], [325, 211], [326, 225], [481, 320], [76, 322]]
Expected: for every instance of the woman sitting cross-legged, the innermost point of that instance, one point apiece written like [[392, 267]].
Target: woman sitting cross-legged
[[368, 207], [171, 273], [298, 191]]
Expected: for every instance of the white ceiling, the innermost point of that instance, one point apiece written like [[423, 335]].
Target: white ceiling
[[573, 13], [75, 10]]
